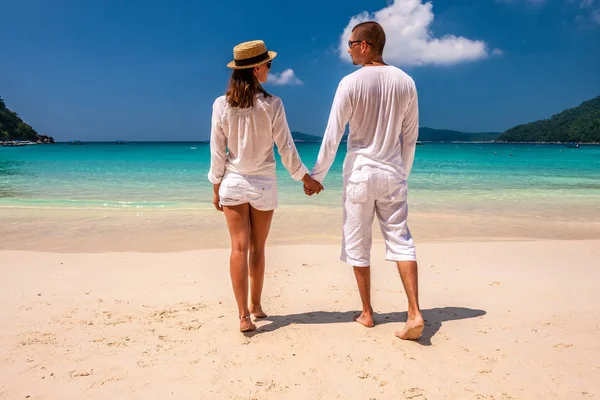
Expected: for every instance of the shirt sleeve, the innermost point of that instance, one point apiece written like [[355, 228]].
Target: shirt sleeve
[[341, 111], [218, 148], [285, 144], [410, 131]]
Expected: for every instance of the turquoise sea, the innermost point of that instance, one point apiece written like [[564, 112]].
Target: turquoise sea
[[458, 177]]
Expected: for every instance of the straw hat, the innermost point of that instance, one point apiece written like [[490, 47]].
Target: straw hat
[[250, 54]]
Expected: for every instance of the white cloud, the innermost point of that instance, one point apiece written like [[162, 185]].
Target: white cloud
[[287, 77], [409, 40], [497, 52], [591, 13]]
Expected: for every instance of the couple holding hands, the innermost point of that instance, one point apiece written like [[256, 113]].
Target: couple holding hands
[[380, 103]]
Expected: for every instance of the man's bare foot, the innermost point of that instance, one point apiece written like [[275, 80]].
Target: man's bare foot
[[257, 311], [246, 325], [412, 329], [365, 319]]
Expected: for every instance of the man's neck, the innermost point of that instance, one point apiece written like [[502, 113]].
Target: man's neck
[[375, 62]]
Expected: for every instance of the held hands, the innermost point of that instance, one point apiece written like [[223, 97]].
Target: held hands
[[311, 186]]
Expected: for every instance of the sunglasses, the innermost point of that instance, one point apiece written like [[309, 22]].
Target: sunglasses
[[269, 64], [351, 43]]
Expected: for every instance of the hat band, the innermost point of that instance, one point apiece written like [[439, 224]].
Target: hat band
[[252, 60]]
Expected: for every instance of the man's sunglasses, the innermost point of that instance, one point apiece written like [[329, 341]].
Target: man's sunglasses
[[353, 42], [269, 64]]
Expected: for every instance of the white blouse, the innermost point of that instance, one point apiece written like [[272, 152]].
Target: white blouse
[[241, 140]]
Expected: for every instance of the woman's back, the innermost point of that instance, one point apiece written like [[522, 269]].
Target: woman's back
[[249, 134]]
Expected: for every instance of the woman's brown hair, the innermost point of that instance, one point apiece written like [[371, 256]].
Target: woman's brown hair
[[243, 87]]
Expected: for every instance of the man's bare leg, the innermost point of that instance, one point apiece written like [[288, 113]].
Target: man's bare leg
[[363, 279], [414, 324]]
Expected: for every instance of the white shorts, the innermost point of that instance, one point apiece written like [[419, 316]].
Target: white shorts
[[368, 192], [259, 191]]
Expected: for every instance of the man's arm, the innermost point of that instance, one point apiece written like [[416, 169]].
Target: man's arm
[[410, 131], [341, 111]]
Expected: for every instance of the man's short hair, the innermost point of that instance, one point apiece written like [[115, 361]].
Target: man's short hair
[[371, 32]]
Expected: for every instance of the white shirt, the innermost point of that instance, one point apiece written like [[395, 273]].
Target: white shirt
[[248, 134], [381, 104]]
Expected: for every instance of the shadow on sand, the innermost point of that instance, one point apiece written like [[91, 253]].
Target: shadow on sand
[[433, 319]]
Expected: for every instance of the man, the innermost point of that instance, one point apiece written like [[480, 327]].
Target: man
[[380, 102]]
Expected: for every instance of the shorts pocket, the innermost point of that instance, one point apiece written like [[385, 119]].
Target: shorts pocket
[[356, 188], [227, 186], [264, 187], [229, 183], [262, 184]]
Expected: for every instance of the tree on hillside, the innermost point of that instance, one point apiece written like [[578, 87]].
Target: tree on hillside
[[578, 124], [12, 127]]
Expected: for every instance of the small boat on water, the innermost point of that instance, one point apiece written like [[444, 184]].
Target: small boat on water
[[572, 145], [419, 143], [74, 142], [120, 141]]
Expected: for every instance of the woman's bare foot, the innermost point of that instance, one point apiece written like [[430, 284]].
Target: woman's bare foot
[[257, 311], [412, 330], [246, 324], [365, 319]]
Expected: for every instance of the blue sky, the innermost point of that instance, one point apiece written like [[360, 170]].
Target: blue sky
[[150, 70]]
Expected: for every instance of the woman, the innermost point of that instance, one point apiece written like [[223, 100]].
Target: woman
[[247, 121]]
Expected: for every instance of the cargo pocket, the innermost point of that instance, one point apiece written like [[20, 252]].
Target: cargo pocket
[[356, 188], [227, 189]]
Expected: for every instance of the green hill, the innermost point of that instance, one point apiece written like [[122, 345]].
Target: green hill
[[445, 135], [425, 135], [580, 124], [13, 128]]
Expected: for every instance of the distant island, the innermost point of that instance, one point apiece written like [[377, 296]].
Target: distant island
[[305, 137], [445, 135], [580, 124], [425, 135], [12, 128]]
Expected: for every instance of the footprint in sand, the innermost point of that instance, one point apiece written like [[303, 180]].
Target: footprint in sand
[[119, 343], [103, 381], [414, 393], [193, 326], [145, 364], [562, 346], [363, 375], [38, 338], [81, 373]]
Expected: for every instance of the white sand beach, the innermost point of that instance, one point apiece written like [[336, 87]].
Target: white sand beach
[[504, 320]]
